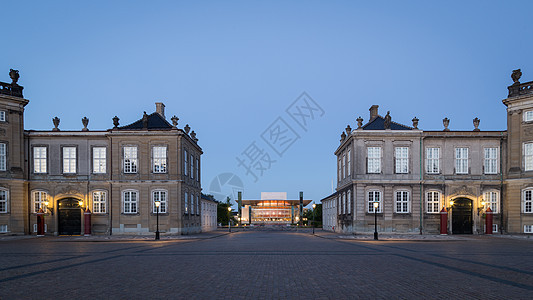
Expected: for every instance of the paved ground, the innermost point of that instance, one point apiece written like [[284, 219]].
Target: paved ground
[[266, 265]]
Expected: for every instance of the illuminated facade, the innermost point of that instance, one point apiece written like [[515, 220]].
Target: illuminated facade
[[272, 208]]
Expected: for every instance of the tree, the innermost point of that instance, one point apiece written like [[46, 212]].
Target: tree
[[222, 212], [317, 215]]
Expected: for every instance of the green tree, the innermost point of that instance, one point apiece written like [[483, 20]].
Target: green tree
[[222, 212], [317, 215]]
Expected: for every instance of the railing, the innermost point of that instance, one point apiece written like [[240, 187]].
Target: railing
[[521, 89], [11, 89]]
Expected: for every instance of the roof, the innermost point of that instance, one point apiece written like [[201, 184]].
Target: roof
[[330, 196], [378, 123], [155, 121]]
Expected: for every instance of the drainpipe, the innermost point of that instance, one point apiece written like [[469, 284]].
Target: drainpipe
[[421, 202], [501, 183]]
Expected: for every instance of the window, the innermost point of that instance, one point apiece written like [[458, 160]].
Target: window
[[461, 160], [374, 159], [528, 200], [99, 202], [161, 196], [402, 202], [192, 166], [349, 162], [185, 162], [494, 228], [433, 202], [432, 160], [69, 159], [343, 203], [99, 160], [528, 116], [402, 160], [2, 116], [491, 161], [192, 204], [38, 199], [528, 228], [492, 200], [3, 157], [130, 159], [130, 201], [339, 170], [197, 204], [374, 196], [39, 159], [528, 156], [343, 167], [159, 159], [197, 166], [340, 205], [186, 208], [3, 228], [3, 200], [349, 205]]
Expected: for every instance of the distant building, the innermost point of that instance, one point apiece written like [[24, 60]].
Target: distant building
[[272, 208], [329, 212], [414, 174], [116, 175], [208, 213]]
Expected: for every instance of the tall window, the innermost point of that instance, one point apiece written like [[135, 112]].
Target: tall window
[[432, 160], [374, 159], [130, 201], [196, 167], [527, 199], [38, 199], [3, 157], [186, 203], [197, 205], [491, 160], [69, 159], [492, 200], [461, 160], [161, 196], [339, 175], [343, 203], [159, 159], [528, 116], [2, 116], [528, 156], [402, 160], [402, 201], [349, 162], [3, 200], [99, 202], [185, 162], [349, 204], [339, 207], [192, 204], [343, 167], [374, 196], [433, 202], [130, 159], [99, 160], [39, 159], [192, 166]]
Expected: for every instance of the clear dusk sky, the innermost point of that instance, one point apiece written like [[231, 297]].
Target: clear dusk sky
[[230, 69]]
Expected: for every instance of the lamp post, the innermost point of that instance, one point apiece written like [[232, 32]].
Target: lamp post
[[314, 206], [157, 204], [376, 205], [229, 218]]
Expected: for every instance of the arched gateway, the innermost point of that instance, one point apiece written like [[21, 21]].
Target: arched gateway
[[69, 216], [462, 216]]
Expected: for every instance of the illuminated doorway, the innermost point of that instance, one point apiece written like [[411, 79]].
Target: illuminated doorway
[[69, 216], [462, 216]]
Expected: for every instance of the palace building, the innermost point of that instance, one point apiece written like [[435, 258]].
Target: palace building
[[110, 181], [415, 175]]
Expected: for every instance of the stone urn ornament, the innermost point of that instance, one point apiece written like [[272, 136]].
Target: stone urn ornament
[[187, 128], [515, 76], [446, 123], [193, 136], [343, 136], [14, 75], [174, 120], [415, 122], [359, 122], [348, 129], [115, 122], [85, 122], [476, 124], [56, 121]]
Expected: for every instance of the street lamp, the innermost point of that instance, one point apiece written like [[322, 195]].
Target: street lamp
[[157, 204], [229, 218], [314, 206], [376, 205]]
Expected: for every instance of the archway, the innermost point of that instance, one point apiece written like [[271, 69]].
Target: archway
[[69, 216], [462, 216]]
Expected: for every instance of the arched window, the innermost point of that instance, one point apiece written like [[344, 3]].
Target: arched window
[[492, 200], [99, 202], [38, 201]]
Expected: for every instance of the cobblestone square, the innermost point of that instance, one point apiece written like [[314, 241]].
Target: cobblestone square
[[266, 265]]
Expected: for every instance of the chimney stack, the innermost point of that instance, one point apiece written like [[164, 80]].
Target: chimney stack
[[160, 109], [373, 111]]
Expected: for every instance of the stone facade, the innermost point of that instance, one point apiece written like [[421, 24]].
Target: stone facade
[[116, 175], [415, 174]]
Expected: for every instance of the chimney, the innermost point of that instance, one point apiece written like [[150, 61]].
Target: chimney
[[160, 109], [373, 111]]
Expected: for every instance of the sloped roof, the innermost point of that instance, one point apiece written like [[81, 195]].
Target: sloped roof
[[155, 121], [378, 123]]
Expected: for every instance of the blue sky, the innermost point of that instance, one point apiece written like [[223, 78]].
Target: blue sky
[[229, 69]]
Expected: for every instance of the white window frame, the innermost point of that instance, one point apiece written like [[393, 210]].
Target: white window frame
[[528, 116], [162, 196], [432, 160], [186, 204], [528, 156], [528, 228], [99, 202], [99, 160], [159, 159], [2, 115], [433, 206], [527, 200], [3, 157], [492, 200], [69, 159], [401, 155], [130, 201], [490, 161], [3, 228], [349, 202], [40, 159], [192, 166], [373, 160], [339, 174], [349, 162], [402, 200], [4, 200], [130, 159], [343, 166], [185, 161], [37, 201], [461, 160], [371, 198]]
